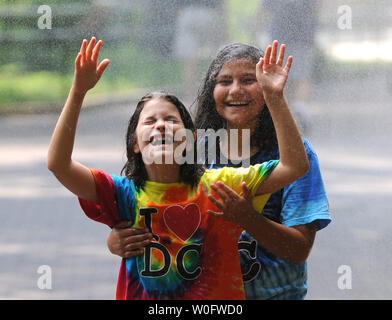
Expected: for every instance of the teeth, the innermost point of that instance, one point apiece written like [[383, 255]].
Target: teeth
[[156, 142], [237, 103]]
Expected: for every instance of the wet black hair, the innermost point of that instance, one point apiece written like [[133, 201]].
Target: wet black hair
[[134, 168], [206, 115]]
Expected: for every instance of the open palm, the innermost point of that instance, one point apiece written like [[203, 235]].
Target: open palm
[[87, 70], [270, 73]]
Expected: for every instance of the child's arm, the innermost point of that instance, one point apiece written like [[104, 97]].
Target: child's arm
[[126, 242], [292, 244], [293, 160], [73, 175]]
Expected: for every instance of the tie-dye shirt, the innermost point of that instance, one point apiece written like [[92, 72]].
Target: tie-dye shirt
[[193, 255], [265, 275]]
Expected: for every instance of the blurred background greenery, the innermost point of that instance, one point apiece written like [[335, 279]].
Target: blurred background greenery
[[36, 65]]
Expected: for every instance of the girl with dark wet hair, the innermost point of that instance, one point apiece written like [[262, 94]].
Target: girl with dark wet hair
[[285, 230], [278, 239], [189, 254]]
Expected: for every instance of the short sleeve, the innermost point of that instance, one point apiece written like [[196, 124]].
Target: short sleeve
[[233, 177], [253, 175], [125, 197], [106, 210], [305, 200]]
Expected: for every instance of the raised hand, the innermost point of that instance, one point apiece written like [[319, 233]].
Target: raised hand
[[87, 70], [270, 73]]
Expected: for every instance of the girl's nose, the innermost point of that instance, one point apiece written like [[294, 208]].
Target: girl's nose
[[235, 87], [163, 125], [160, 124]]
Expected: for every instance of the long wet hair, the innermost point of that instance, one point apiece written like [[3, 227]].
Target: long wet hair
[[134, 168], [206, 115]]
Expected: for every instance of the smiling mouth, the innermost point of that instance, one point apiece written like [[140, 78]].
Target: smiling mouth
[[237, 104], [161, 141]]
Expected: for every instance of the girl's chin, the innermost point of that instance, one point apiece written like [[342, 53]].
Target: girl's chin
[[164, 157], [238, 123], [162, 154], [241, 121]]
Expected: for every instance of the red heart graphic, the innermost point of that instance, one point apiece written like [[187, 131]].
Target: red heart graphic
[[182, 221]]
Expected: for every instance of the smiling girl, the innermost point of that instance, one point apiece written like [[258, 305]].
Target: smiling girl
[[191, 254], [279, 237]]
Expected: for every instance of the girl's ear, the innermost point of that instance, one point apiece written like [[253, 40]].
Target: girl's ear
[[136, 148]]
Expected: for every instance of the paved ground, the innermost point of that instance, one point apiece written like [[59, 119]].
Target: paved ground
[[43, 225]]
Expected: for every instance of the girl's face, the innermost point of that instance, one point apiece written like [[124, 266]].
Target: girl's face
[[237, 94], [157, 126]]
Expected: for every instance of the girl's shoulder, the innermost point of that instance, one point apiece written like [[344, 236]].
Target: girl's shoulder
[[265, 155], [123, 182], [308, 146], [214, 172], [224, 173], [120, 179]]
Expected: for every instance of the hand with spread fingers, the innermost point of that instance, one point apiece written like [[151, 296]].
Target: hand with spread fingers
[[234, 207], [270, 73], [87, 70]]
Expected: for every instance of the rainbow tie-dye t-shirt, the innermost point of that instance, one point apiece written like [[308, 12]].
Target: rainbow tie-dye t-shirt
[[193, 255]]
